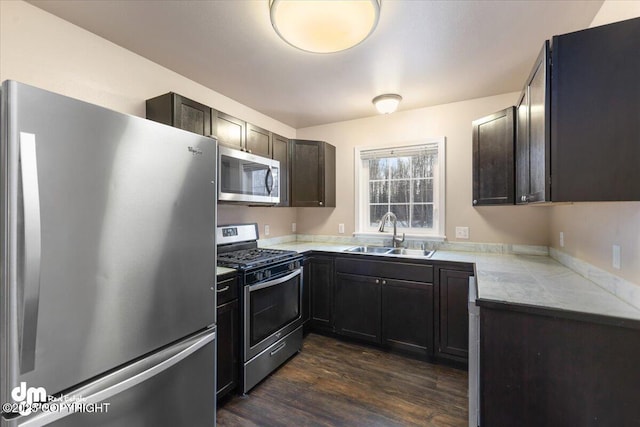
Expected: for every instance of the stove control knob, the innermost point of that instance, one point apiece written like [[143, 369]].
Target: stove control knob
[[297, 264], [259, 275], [291, 266], [267, 273]]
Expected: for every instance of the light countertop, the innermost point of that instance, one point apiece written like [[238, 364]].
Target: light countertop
[[223, 270], [527, 280]]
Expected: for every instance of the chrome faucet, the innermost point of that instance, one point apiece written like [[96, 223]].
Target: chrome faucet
[[395, 241]]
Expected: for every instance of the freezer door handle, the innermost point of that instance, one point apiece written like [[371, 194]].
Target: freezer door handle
[[32, 251], [126, 378]]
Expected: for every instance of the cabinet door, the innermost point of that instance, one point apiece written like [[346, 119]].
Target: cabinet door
[[320, 279], [596, 114], [533, 135], [177, 111], [358, 307], [522, 148], [313, 174], [258, 141], [229, 130], [539, 128], [228, 340], [407, 316], [453, 325], [493, 159], [280, 152]]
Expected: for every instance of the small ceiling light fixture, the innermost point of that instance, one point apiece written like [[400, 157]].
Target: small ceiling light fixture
[[387, 103], [324, 26]]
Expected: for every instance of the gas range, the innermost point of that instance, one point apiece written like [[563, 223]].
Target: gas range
[[271, 301], [238, 249]]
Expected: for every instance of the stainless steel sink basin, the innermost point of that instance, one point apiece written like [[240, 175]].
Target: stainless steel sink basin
[[369, 249], [411, 252], [383, 250]]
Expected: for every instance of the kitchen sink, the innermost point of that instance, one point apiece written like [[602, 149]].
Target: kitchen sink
[[369, 249], [411, 252], [387, 251]]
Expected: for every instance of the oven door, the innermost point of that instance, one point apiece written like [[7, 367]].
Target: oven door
[[248, 178], [272, 309]]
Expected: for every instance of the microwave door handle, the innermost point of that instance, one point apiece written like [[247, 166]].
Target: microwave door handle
[[268, 180]]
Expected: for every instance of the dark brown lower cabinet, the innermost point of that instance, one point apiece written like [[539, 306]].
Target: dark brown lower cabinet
[[228, 335], [318, 275], [544, 369], [452, 315], [358, 303], [407, 316]]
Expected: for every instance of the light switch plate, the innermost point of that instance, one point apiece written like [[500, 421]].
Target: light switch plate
[[462, 232], [266, 230], [293, 227], [562, 239], [341, 228]]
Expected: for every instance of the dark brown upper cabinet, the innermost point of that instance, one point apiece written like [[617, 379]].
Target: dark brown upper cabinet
[[229, 130], [493, 159], [595, 114], [177, 111], [258, 141], [313, 174], [280, 152], [577, 120], [533, 136]]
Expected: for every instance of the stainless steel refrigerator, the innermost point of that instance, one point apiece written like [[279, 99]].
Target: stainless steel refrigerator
[[107, 226]]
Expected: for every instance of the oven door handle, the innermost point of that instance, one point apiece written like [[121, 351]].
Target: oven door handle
[[263, 285]]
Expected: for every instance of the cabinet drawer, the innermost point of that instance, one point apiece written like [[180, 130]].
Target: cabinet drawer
[[391, 270], [227, 290]]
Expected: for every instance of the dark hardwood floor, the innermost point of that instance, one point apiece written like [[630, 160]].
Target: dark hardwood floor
[[333, 383]]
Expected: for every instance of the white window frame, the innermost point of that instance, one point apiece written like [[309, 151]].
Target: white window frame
[[363, 228]]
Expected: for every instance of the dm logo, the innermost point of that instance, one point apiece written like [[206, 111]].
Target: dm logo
[[29, 396]]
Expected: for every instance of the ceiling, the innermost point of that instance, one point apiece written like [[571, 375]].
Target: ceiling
[[430, 52]]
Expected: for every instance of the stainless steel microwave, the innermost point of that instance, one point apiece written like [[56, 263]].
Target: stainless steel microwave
[[247, 178]]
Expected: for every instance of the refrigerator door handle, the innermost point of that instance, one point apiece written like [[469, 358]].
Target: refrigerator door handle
[[32, 251], [126, 378]]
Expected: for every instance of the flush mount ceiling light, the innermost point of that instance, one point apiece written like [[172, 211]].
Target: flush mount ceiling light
[[324, 26], [387, 103]]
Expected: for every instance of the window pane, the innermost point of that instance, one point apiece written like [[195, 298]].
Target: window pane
[[400, 167], [376, 213], [378, 169], [422, 216], [402, 212], [379, 192], [423, 165], [422, 190], [400, 191]]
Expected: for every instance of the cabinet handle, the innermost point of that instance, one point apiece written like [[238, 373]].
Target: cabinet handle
[[384, 282], [377, 281], [226, 288], [320, 203], [475, 202]]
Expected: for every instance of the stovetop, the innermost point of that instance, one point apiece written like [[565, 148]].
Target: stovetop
[[253, 257], [238, 248]]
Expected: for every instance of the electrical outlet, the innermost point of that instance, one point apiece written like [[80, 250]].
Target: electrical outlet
[[341, 228], [293, 227], [616, 257], [562, 239], [462, 232], [266, 230]]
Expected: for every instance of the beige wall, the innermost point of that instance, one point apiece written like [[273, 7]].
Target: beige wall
[[591, 229], [522, 224], [42, 50]]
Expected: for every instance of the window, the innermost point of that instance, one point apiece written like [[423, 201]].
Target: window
[[406, 180]]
